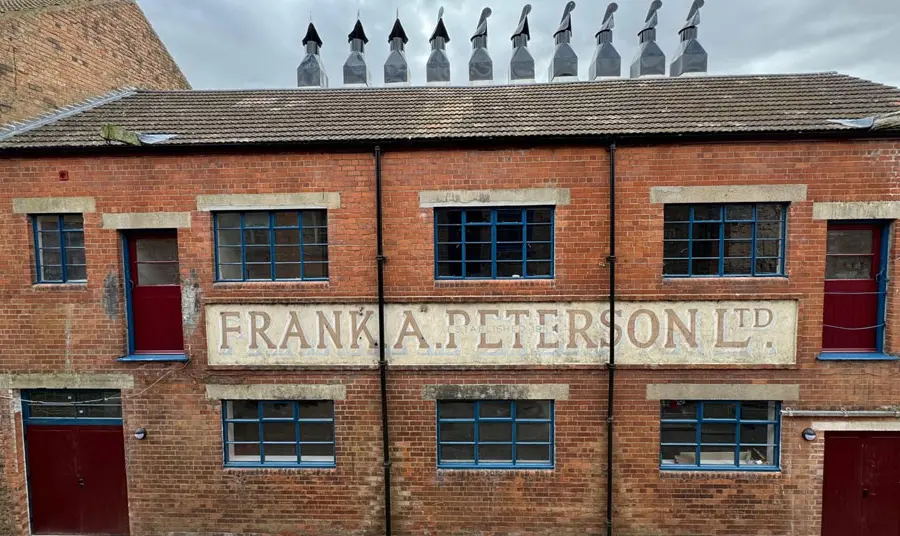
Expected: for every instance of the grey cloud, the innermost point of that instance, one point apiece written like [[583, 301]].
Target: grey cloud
[[256, 43]]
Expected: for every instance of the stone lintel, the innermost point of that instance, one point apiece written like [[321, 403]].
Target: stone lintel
[[276, 392], [482, 198], [296, 201], [54, 205], [764, 193], [861, 210], [148, 220], [55, 380], [731, 391], [496, 392]]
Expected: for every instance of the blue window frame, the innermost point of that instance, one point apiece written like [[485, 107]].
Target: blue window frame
[[742, 436], [494, 243], [66, 407], [272, 246], [278, 433], [59, 248], [495, 434], [724, 240]]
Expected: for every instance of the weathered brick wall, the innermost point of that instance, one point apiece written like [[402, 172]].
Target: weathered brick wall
[[176, 481], [60, 55]]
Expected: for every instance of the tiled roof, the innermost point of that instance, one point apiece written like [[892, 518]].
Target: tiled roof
[[661, 106], [8, 6]]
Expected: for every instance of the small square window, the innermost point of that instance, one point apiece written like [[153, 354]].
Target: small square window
[[59, 248]]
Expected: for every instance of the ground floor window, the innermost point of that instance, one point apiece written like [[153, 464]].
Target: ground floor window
[[495, 434], [719, 435], [280, 433]]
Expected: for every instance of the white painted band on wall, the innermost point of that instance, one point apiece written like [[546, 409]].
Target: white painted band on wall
[[276, 392], [863, 210], [298, 201], [148, 220], [486, 198], [66, 381], [869, 425], [730, 391], [54, 205], [553, 391], [768, 193]]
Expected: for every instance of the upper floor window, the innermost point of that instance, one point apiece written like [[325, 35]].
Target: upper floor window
[[59, 248], [494, 243], [724, 240], [271, 246], [280, 433], [495, 434], [719, 435]]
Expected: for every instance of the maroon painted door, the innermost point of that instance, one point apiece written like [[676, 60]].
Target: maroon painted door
[[861, 494], [155, 293], [76, 479], [851, 288]]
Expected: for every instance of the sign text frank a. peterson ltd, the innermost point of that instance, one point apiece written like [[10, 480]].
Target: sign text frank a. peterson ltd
[[732, 332]]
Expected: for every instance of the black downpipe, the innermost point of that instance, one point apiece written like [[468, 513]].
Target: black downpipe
[[611, 260], [382, 361]]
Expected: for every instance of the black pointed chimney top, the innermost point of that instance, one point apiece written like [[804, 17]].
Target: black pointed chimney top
[[397, 32], [440, 30], [523, 29], [358, 33], [312, 35]]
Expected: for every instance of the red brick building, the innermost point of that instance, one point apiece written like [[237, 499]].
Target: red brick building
[[191, 322], [54, 53]]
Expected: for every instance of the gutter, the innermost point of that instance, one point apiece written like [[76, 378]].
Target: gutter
[[610, 389], [382, 359]]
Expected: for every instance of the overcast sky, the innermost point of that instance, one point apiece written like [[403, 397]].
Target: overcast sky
[[256, 43]]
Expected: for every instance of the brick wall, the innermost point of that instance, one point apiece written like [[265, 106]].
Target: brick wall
[[59, 55], [177, 484]]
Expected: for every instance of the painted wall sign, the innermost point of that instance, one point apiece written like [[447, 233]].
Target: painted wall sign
[[726, 332]]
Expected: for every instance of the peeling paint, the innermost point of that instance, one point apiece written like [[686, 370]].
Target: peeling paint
[[111, 295], [190, 303]]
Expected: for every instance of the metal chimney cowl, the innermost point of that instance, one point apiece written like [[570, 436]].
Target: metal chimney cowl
[[396, 68], [650, 59], [521, 65], [564, 65], [356, 72], [481, 67], [311, 72], [691, 58], [437, 70], [606, 63]]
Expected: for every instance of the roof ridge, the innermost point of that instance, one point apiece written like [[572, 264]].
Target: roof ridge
[[66, 111]]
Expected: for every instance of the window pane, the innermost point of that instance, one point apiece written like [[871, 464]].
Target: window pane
[[678, 455], [478, 252], [229, 220], [540, 252], [450, 269], [719, 411], [287, 254], [533, 453], [72, 222], [509, 233], [671, 267], [76, 273], [279, 431], [758, 434], [540, 215], [230, 255], [48, 223], [540, 233], [739, 212], [757, 455], [849, 267], [495, 453], [478, 233], [449, 217], [769, 212], [74, 239], [315, 218], [768, 230], [677, 231], [258, 237], [75, 256], [510, 252], [287, 236], [532, 432], [287, 271], [230, 238], [102, 410], [707, 212], [478, 269], [478, 216], [495, 409], [540, 269], [315, 253], [458, 453], [734, 248], [718, 433], [48, 239], [678, 432], [457, 410], [243, 452], [844, 242], [681, 410], [510, 269], [259, 271], [243, 409], [157, 274], [677, 213], [675, 249], [258, 254], [457, 431], [231, 272], [278, 410], [768, 248], [315, 235], [739, 230], [317, 453], [287, 219], [256, 219], [51, 257], [706, 231], [281, 453], [716, 455], [738, 266], [767, 266], [148, 249], [705, 267], [51, 273], [315, 271], [533, 409], [448, 234], [758, 411], [509, 215], [319, 409], [494, 431], [241, 431], [316, 431]]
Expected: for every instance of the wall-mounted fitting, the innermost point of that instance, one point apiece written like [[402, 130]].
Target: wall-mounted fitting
[[809, 434], [140, 434]]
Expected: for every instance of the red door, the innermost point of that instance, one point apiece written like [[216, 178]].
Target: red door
[[862, 485], [852, 288], [155, 293], [76, 479]]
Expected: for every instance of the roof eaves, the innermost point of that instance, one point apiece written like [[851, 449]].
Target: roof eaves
[[67, 111]]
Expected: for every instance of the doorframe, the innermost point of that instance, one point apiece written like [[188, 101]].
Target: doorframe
[[882, 279], [131, 356]]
